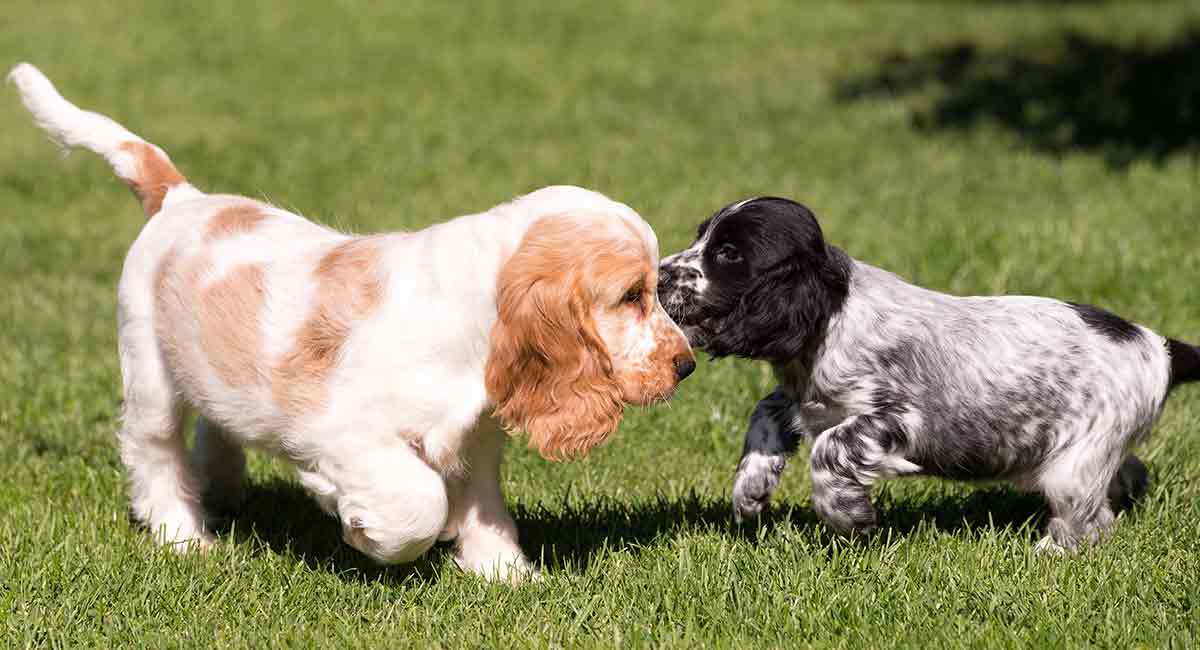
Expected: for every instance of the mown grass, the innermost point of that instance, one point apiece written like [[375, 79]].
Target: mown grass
[[377, 116]]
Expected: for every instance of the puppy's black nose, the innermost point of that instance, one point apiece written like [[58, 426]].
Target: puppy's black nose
[[684, 367]]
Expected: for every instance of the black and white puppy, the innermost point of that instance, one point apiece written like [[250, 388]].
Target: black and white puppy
[[890, 379]]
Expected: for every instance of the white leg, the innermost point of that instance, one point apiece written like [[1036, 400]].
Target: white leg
[[485, 531], [1076, 486], [221, 466], [163, 488], [391, 504]]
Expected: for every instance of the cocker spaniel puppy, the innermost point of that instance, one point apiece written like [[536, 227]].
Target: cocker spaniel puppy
[[890, 379], [385, 367]]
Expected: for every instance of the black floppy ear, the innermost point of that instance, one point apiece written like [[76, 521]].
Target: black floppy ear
[[783, 315]]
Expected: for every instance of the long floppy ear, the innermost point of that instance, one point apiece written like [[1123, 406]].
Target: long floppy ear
[[548, 371], [783, 315]]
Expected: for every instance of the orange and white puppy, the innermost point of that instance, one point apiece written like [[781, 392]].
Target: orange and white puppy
[[385, 367]]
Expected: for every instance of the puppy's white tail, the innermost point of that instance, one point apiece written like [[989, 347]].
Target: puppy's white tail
[[145, 168]]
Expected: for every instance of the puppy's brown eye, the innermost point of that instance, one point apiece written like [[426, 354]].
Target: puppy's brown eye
[[632, 296], [727, 254]]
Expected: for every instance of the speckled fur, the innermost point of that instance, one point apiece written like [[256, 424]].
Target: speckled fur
[[898, 380]]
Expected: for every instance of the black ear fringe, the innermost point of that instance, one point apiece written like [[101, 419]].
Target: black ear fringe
[[784, 315], [1185, 363]]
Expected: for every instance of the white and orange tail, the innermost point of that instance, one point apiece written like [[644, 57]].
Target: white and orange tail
[[145, 168]]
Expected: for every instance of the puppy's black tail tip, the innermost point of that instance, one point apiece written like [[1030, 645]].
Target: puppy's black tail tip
[[1185, 362]]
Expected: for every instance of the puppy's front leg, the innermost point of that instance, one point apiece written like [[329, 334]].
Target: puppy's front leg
[[485, 533], [846, 460], [770, 439]]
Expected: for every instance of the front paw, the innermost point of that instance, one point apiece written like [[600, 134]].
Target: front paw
[[756, 479], [493, 557], [513, 569]]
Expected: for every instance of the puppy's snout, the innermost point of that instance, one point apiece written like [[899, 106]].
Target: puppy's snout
[[666, 279], [684, 366], [670, 276]]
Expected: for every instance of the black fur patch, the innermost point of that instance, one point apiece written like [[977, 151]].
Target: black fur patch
[[1107, 323], [774, 300], [1185, 362]]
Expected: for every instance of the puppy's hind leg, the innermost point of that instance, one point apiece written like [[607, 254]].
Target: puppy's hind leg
[[164, 492], [1076, 485], [221, 465], [770, 439]]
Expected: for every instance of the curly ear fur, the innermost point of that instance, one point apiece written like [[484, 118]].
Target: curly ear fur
[[783, 315], [548, 371]]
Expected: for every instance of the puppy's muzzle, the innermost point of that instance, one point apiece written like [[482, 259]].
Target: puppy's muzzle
[[670, 277], [673, 290]]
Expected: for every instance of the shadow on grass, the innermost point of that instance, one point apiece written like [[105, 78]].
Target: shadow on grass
[[281, 516], [1071, 91], [996, 507], [570, 537]]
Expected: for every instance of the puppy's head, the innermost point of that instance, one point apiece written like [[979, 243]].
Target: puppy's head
[[579, 330], [759, 281]]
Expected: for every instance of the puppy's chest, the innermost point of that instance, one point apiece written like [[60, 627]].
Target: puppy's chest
[[814, 409]]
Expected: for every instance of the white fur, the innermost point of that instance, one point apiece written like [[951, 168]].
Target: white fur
[[413, 367]]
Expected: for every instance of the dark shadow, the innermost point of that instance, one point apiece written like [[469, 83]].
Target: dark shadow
[[996, 507], [282, 518], [1071, 91], [569, 538]]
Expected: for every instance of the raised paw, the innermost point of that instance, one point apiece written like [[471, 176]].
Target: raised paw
[[756, 479], [845, 507]]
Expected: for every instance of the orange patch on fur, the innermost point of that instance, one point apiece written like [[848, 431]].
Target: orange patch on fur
[[349, 289], [548, 370], [230, 333], [155, 175], [166, 266], [235, 220], [227, 316], [169, 302]]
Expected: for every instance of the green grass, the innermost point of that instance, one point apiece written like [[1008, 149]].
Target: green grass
[[375, 116]]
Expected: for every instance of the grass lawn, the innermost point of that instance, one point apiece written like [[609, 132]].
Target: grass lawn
[[974, 147]]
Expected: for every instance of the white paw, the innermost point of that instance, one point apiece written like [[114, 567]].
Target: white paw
[[514, 570], [197, 543], [756, 479], [1048, 546]]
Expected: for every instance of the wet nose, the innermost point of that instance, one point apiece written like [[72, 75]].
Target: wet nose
[[684, 365]]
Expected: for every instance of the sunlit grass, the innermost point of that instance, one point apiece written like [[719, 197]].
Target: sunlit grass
[[387, 116]]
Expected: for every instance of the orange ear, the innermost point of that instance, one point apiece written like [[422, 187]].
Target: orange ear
[[548, 371]]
